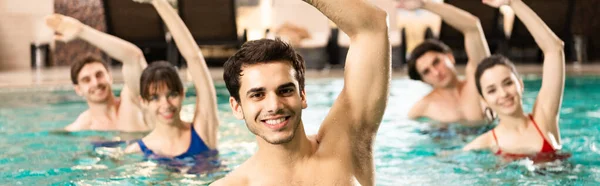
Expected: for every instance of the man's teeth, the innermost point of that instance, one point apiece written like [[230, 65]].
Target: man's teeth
[[274, 121]]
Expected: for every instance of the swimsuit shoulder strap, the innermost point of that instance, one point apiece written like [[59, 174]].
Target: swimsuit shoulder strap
[[197, 145], [195, 135], [496, 140], [143, 147], [546, 147], [536, 127], [197, 141]]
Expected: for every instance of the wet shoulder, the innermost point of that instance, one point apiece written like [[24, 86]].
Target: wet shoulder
[[231, 180], [489, 141], [239, 176], [83, 122], [133, 148], [419, 109], [484, 141]]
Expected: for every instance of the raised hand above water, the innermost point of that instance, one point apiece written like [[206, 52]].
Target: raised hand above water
[[411, 4], [496, 3], [66, 28]]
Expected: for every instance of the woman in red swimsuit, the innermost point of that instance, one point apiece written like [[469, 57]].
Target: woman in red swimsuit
[[520, 134]]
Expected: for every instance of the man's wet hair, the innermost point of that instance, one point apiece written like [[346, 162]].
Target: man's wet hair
[[158, 74], [80, 63], [260, 52], [426, 46]]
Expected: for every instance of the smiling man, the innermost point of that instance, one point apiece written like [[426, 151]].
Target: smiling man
[[92, 79], [266, 81], [452, 100]]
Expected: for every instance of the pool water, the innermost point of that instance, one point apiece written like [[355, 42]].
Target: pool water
[[33, 150]]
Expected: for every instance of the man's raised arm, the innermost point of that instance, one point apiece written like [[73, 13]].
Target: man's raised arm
[[130, 55], [367, 71]]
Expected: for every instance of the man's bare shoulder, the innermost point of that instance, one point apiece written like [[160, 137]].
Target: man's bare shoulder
[[432, 96], [131, 116], [231, 180], [435, 98], [419, 109], [239, 176], [83, 122]]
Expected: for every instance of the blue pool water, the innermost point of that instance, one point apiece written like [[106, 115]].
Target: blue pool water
[[33, 151]]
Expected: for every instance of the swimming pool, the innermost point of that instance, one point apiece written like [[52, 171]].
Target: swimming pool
[[33, 152]]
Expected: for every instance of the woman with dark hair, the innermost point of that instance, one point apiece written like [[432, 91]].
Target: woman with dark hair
[[162, 94], [520, 134]]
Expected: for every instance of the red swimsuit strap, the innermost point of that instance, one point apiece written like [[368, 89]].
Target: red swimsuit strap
[[536, 127], [496, 140], [546, 147]]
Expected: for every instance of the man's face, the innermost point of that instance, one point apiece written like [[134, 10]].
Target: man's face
[[94, 83], [436, 69], [270, 102]]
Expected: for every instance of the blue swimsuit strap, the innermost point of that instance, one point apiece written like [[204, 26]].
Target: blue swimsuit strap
[[197, 145], [144, 148]]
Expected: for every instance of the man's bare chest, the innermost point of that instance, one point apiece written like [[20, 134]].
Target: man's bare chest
[[324, 173], [446, 112]]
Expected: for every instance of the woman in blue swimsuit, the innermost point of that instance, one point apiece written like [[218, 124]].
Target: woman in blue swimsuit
[[162, 94]]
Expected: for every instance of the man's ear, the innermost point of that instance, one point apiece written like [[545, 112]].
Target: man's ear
[[236, 107], [78, 90], [303, 97]]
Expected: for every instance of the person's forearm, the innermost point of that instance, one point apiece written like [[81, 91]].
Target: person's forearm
[[113, 46], [183, 38], [351, 16], [475, 44], [455, 17], [543, 35]]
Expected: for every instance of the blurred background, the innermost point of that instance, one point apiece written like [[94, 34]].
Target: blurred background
[[221, 26]]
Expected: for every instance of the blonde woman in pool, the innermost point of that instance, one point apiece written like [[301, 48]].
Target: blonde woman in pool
[[162, 94], [93, 81], [520, 134]]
